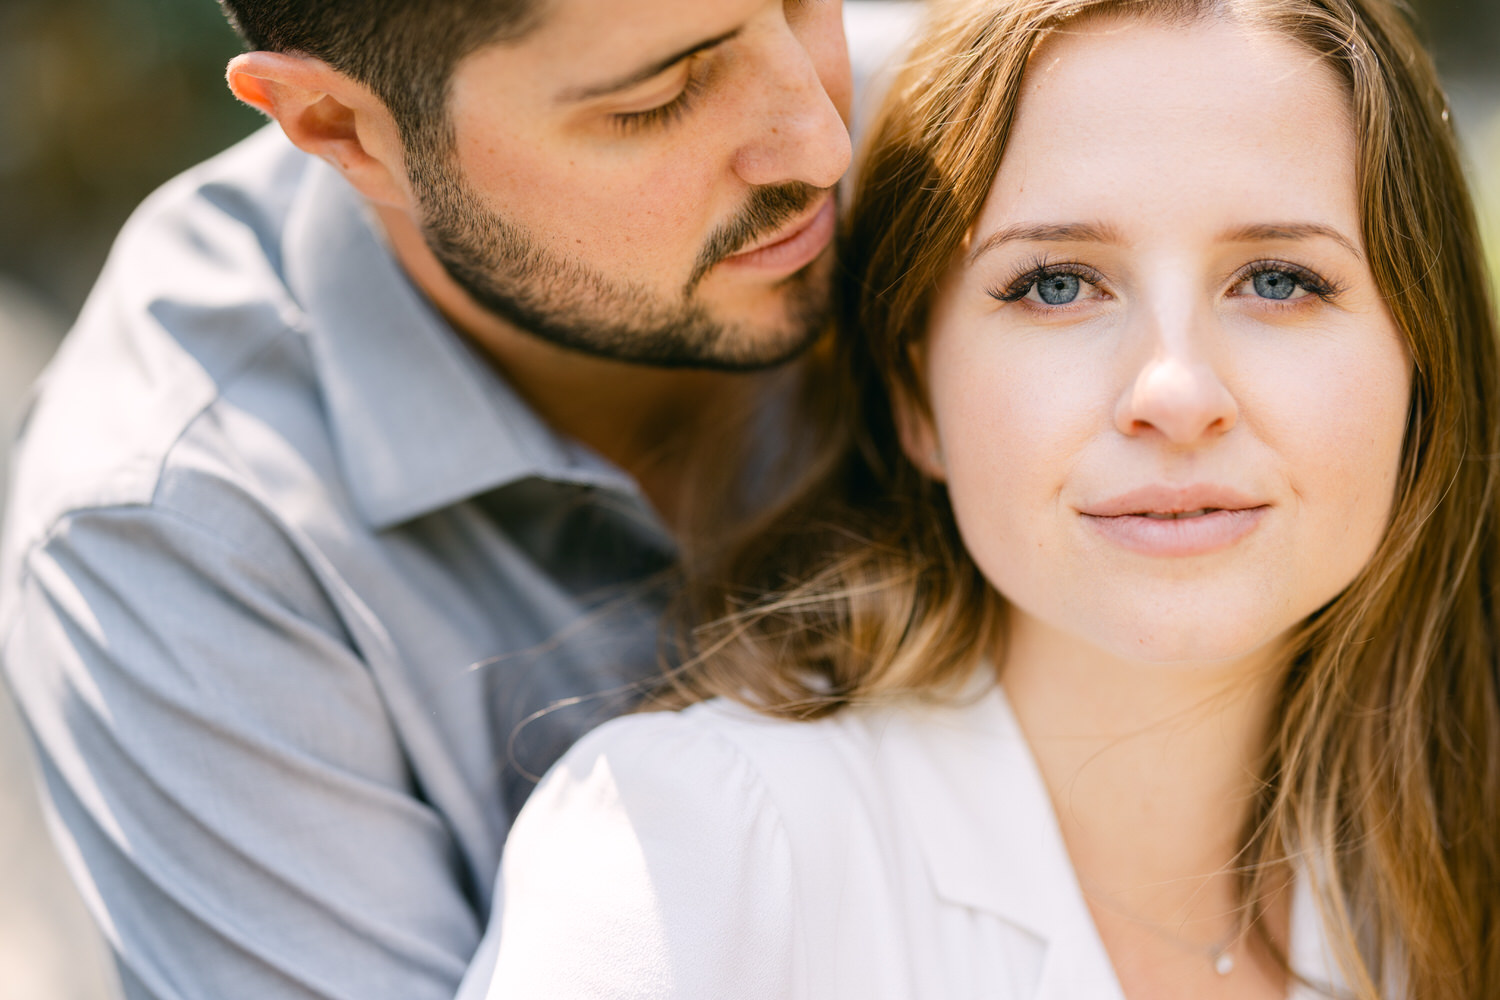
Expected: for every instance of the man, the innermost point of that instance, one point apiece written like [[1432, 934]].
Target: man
[[343, 509]]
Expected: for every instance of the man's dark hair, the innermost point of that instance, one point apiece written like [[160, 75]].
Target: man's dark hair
[[403, 50]]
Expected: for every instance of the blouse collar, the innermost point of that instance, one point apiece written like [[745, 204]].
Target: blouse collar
[[991, 842]]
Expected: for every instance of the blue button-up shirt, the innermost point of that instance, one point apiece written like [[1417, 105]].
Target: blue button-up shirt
[[291, 585], [298, 596]]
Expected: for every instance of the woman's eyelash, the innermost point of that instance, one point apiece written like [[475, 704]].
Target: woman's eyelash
[[1036, 270], [1039, 269], [1314, 283], [665, 114]]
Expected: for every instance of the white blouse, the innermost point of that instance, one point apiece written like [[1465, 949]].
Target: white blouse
[[713, 853]]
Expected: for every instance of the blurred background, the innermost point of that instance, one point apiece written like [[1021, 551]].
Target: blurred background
[[103, 100]]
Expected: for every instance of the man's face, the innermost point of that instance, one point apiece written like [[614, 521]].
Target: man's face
[[650, 180]]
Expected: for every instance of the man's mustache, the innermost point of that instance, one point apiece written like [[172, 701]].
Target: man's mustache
[[768, 209]]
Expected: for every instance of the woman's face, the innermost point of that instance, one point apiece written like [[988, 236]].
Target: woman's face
[[1166, 397]]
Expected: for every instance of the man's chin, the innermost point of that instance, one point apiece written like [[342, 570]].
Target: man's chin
[[752, 353], [725, 325], [742, 346], [766, 326]]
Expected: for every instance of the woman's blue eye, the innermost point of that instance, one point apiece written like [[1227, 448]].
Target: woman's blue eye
[[1058, 289], [1274, 284], [1053, 285]]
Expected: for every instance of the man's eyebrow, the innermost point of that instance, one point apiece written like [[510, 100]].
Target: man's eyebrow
[[644, 73], [1046, 232], [1290, 231]]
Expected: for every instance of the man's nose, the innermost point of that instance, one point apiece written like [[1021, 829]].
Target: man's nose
[[1177, 391], [800, 135]]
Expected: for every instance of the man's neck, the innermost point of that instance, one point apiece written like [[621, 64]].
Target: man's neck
[[642, 418]]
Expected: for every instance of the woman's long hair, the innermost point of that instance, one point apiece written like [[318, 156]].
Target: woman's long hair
[[1382, 773]]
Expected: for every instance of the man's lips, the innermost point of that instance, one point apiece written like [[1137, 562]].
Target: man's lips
[[1176, 521], [794, 245]]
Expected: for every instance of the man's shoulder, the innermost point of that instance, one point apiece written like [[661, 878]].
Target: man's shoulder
[[191, 307], [213, 235]]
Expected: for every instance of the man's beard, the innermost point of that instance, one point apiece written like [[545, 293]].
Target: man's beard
[[506, 271]]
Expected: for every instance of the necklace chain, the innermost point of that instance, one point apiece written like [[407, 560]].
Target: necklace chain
[[1220, 953]]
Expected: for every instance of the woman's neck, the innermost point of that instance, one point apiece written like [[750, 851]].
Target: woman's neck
[[1152, 770]]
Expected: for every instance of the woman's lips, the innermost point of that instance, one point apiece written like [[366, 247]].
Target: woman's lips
[[796, 249], [1176, 521]]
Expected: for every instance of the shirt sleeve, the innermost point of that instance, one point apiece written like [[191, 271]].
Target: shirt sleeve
[[229, 791], [650, 863]]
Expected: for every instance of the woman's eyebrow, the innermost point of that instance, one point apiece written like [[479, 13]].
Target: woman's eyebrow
[[1047, 232], [644, 73], [1266, 232], [1093, 232]]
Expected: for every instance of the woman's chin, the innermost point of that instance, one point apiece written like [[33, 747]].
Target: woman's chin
[[1133, 636], [1227, 648]]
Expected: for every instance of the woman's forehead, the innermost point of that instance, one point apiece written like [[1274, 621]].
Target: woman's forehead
[[1155, 120]]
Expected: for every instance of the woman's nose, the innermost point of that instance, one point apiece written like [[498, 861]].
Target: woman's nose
[[1178, 392]]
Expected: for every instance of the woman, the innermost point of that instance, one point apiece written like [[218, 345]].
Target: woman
[[1173, 385]]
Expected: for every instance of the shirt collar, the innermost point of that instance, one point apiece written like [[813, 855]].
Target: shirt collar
[[419, 420], [1311, 953], [990, 838], [991, 843]]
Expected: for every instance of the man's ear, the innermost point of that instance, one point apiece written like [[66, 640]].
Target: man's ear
[[330, 115], [919, 436]]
